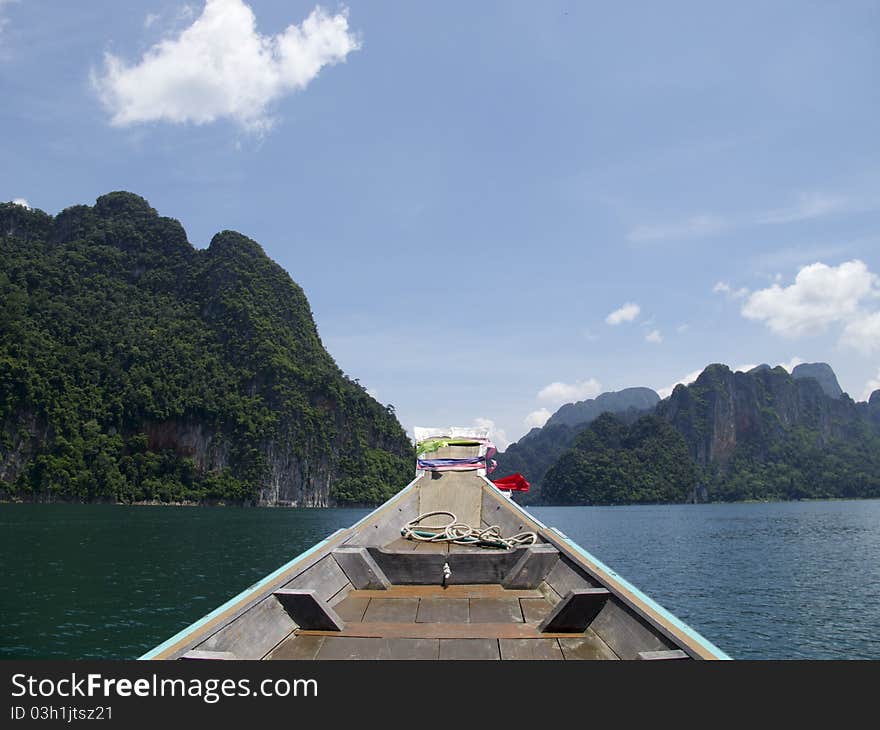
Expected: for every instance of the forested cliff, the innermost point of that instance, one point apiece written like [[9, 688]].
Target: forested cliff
[[135, 367], [762, 434]]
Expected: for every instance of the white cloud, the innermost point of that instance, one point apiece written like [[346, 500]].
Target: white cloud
[[820, 295], [627, 313], [685, 380], [171, 21], [4, 21], [872, 385], [221, 67], [654, 336], [559, 393], [808, 205], [186, 12], [722, 287], [536, 419], [792, 364], [22, 202], [863, 333], [497, 435], [682, 328], [694, 227]]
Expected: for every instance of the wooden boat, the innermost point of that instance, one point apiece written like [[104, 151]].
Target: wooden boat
[[366, 592]]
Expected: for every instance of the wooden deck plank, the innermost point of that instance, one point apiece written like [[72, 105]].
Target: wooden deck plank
[[669, 655], [401, 545], [443, 610], [546, 590], [431, 547], [458, 492], [298, 647], [391, 630], [589, 646], [534, 610], [352, 608], [545, 649], [469, 649], [338, 647], [394, 610], [348, 648], [414, 649], [495, 610], [199, 655], [487, 590]]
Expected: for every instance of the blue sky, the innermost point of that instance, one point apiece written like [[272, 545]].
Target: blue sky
[[467, 192]]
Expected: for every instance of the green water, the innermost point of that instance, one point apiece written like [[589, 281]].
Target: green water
[[778, 580], [108, 581]]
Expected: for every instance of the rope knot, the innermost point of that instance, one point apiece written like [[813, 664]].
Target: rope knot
[[461, 533]]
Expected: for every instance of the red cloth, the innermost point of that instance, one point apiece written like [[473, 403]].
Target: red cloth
[[513, 483]]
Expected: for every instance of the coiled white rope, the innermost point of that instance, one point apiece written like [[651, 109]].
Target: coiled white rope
[[461, 533]]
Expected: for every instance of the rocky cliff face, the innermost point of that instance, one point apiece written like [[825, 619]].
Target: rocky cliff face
[[870, 410], [135, 367], [723, 410], [822, 373], [763, 434]]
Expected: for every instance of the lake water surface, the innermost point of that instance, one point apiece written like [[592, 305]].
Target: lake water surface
[[779, 580]]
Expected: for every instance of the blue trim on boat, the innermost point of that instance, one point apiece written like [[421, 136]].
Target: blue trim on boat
[[264, 581], [677, 622]]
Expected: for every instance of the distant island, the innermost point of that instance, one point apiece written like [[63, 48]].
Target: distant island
[[764, 434], [137, 368]]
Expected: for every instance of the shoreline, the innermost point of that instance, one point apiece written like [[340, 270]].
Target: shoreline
[[186, 503], [157, 503]]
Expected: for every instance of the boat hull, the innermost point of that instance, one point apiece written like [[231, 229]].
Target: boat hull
[[366, 593]]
